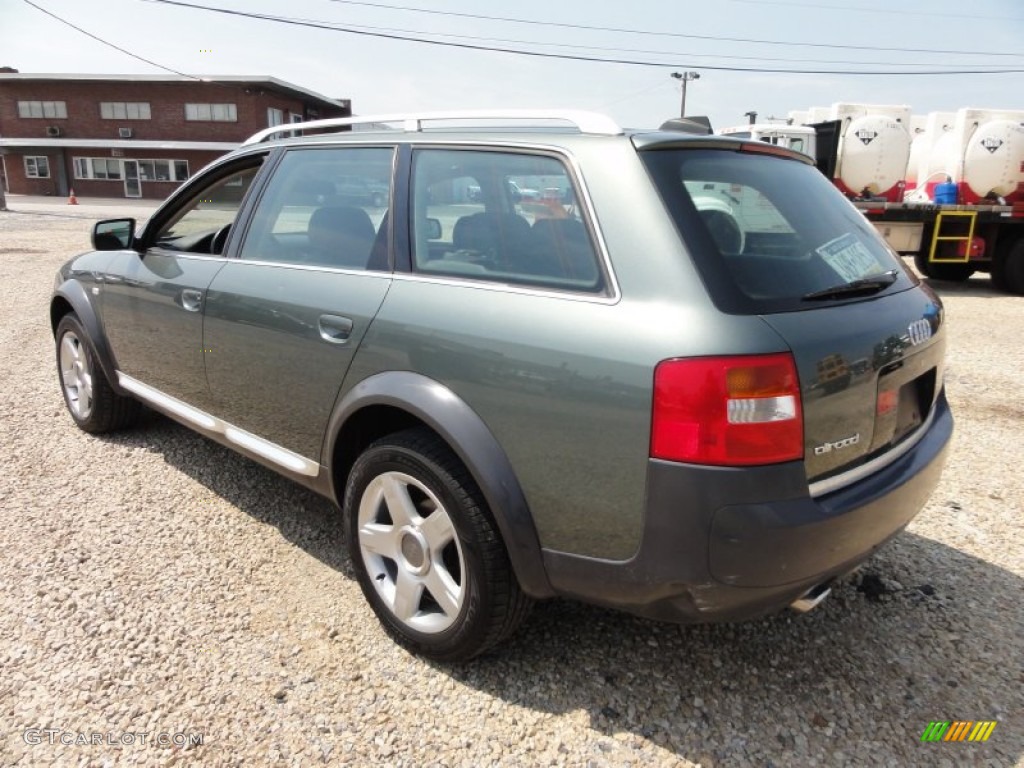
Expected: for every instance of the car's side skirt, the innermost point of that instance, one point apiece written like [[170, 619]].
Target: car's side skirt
[[208, 424]]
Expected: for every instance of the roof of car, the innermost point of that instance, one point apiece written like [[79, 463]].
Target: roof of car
[[581, 121], [519, 126]]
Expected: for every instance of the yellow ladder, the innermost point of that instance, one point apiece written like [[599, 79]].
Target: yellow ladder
[[953, 233]]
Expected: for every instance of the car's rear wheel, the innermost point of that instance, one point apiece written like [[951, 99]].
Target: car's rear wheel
[[953, 272], [1008, 268], [427, 553], [90, 399]]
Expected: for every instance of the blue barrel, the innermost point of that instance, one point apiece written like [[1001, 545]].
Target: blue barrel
[[945, 194]]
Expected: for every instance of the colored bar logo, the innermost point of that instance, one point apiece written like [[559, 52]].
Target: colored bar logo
[[958, 730]]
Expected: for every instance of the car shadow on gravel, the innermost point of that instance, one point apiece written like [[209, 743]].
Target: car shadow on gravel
[[923, 632], [302, 517]]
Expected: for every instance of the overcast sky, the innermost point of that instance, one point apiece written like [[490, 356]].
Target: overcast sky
[[382, 74]]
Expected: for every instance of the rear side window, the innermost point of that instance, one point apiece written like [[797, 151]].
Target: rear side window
[[500, 217], [766, 232]]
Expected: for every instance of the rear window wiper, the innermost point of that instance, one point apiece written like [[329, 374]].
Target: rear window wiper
[[863, 287]]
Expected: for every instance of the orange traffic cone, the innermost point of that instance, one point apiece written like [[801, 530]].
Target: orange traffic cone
[[72, 200]]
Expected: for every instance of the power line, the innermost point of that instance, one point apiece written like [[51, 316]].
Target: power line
[[888, 10], [107, 43], [731, 57], [682, 35], [572, 57]]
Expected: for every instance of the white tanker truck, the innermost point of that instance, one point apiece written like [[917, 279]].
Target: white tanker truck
[[947, 188]]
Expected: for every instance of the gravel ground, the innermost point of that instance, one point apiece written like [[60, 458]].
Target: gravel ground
[[154, 583]]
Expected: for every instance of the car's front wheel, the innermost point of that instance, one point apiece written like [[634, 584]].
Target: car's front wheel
[[427, 553], [91, 401]]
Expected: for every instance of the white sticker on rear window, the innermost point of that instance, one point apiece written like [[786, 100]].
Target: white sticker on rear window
[[850, 258]]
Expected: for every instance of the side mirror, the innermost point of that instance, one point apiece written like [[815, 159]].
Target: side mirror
[[113, 234], [433, 229]]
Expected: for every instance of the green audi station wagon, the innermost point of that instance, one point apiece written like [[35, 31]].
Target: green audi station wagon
[[694, 384]]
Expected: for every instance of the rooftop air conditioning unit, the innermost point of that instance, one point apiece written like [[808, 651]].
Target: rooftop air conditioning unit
[[124, 133], [53, 131]]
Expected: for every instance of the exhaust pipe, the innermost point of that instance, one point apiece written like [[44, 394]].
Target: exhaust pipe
[[811, 599]]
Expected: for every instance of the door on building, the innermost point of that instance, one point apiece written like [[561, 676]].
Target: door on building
[[132, 184]]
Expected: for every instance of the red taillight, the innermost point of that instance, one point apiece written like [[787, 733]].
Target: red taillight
[[727, 410]]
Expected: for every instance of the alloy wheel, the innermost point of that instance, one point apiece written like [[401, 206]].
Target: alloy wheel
[[412, 552], [76, 375]]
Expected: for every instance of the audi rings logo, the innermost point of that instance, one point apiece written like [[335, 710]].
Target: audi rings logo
[[919, 331]]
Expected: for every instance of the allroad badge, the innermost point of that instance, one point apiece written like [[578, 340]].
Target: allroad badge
[[846, 442], [919, 332]]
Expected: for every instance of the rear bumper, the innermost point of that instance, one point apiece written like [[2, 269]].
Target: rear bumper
[[714, 549]]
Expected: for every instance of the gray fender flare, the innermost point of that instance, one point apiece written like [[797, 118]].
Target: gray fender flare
[[75, 294], [465, 432]]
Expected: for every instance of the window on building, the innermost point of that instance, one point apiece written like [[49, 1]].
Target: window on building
[[149, 170], [51, 109], [218, 113], [274, 116], [124, 110], [104, 168], [37, 167], [155, 170]]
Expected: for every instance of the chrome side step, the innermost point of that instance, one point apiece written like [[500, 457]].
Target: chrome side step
[[811, 599], [204, 422]]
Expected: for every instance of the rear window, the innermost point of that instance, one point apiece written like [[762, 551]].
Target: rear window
[[768, 232]]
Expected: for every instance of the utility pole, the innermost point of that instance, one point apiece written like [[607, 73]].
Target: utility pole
[[685, 77]]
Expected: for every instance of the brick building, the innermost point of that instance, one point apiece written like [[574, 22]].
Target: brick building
[[135, 135]]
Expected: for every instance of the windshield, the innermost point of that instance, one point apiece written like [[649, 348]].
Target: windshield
[[768, 232]]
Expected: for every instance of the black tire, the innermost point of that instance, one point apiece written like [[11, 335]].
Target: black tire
[[954, 273], [921, 262], [434, 535], [91, 401], [1008, 268]]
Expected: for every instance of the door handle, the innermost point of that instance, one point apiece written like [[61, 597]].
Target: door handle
[[191, 300], [335, 329]]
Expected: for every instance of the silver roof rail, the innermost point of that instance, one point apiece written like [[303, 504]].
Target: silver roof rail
[[586, 122]]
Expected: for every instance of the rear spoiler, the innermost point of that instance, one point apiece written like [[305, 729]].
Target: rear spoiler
[[699, 125]]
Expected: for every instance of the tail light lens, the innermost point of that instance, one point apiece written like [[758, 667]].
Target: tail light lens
[[727, 411]]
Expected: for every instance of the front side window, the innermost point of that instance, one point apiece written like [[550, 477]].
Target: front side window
[[769, 233], [503, 217], [325, 207], [37, 167], [202, 223]]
